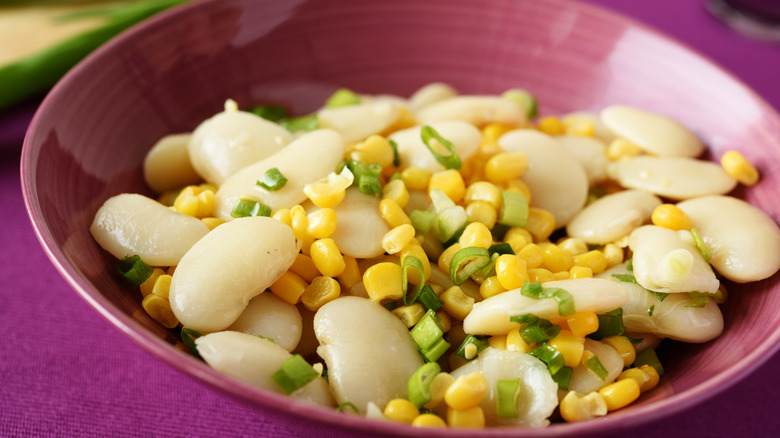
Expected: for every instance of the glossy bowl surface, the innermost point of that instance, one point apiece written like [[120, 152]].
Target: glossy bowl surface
[[89, 137]]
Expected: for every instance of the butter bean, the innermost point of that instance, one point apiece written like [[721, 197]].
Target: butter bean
[[413, 152], [167, 165], [271, 317], [613, 216], [584, 381], [429, 94], [590, 152], [356, 122], [655, 133], [477, 110]]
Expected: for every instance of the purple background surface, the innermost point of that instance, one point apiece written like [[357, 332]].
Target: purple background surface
[[65, 371]]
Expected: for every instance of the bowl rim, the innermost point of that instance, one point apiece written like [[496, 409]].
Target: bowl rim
[[254, 396]]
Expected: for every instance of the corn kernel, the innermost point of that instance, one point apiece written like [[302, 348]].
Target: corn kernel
[[445, 322], [376, 149], [401, 410], [580, 272], [493, 131], [539, 275], [476, 234], [397, 238], [351, 274], [653, 380], [614, 254], [148, 285], [162, 286], [571, 346], [574, 245], [438, 387], [429, 420], [541, 223], [515, 342], [620, 394], [637, 374], [299, 222], [595, 260], [582, 324], [736, 165], [466, 418], [670, 216], [532, 255], [320, 292], [506, 167], [498, 342], [621, 148], [623, 346], [383, 282], [321, 223], [579, 126], [511, 271], [327, 257], [450, 182], [289, 287], [446, 257], [392, 213], [517, 243], [329, 191], [561, 275], [415, 178], [396, 190], [484, 191], [159, 309], [212, 222], [482, 212], [466, 391], [304, 266], [574, 407], [551, 125], [283, 215], [409, 315], [456, 303], [490, 287], [556, 259], [194, 201]]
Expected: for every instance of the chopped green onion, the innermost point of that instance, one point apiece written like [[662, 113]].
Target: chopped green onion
[[514, 209], [428, 335], [539, 331], [596, 367], [451, 161], [428, 298], [524, 99], [563, 377], [436, 350], [413, 262], [651, 310], [508, 391], [501, 248], [449, 222], [418, 388], [273, 113], [272, 180], [188, 336], [660, 295], [565, 299], [301, 124], [367, 177], [294, 374], [490, 268], [610, 324], [440, 200], [134, 270], [524, 319], [467, 352], [697, 299], [249, 207], [630, 265], [550, 356], [704, 250], [422, 220], [342, 97], [396, 157], [648, 356], [391, 305], [345, 405], [627, 278], [339, 167], [466, 262]]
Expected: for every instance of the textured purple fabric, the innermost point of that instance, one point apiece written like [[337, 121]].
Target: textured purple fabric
[[66, 372]]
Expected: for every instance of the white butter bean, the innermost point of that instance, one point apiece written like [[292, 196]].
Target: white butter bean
[[430, 93], [131, 224], [670, 177], [232, 264], [613, 216], [744, 241], [307, 159], [590, 152], [557, 181], [254, 360], [232, 140], [491, 316], [413, 152], [361, 369], [477, 110], [665, 262], [356, 122], [655, 133], [584, 381], [538, 395], [270, 316], [167, 165]]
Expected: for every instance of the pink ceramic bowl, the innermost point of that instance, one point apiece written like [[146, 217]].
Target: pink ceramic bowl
[[90, 135]]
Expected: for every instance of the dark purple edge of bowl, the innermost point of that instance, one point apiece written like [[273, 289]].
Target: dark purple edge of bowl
[[194, 368]]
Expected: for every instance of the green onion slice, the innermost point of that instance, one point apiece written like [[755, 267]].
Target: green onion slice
[[367, 177], [418, 388], [466, 262], [524, 99], [524, 319], [249, 207], [565, 299], [440, 200], [188, 336], [466, 352], [422, 220], [342, 97], [648, 356], [344, 406], [428, 298], [301, 124], [134, 270], [428, 335], [273, 113], [294, 374], [630, 265], [396, 157], [514, 209], [563, 377], [697, 299], [628, 278], [651, 310], [447, 224], [550, 356], [272, 180], [508, 391], [413, 262], [610, 324], [451, 161], [704, 250], [539, 331], [501, 248], [595, 366]]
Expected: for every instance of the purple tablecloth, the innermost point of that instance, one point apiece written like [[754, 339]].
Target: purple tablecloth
[[65, 371]]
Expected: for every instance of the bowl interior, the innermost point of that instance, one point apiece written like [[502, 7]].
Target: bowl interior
[[89, 137]]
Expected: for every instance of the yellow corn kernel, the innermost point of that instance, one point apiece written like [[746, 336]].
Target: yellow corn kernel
[[490, 287], [416, 178], [445, 322], [562, 275], [497, 341], [438, 387], [299, 222], [466, 391], [159, 309], [532, 255], [446, 257], [570, 345], [652, 373], [194, 201], [327, 257], [148, 285], [392, 213], [517, 243], [576, 407], [511, 271], [414, 249], [614, 254], [212, 222], [518, 231], [409, 315], [450, 182], [579, 126], [518, 186], [162, 286], [669, 216], [556, 259], [396, 191], [482, 212], [515, 342], [623, 346], [506, 167], [167, 198], [304, 266], [539, 275], [351, 274], [484, 191], [541, 223], [574, 245], [283, 215], [493, 131], [401, 410], [620, 394], [742, 170], [551, 125], [476, 234], [376, 149], [466, 418], [580, 272], [456, 303], [289, 287], [595, 260], [322, 223], [320, 292], [429, 420], [637, 374], [397, 238], [582, 324], [383, 282], [621, 148]]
